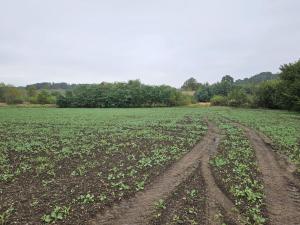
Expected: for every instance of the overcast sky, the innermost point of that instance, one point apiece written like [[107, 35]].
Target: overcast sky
[[156, 41]]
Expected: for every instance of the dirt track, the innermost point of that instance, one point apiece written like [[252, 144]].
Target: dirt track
[[139, 209], [216, 198], [281, 188]]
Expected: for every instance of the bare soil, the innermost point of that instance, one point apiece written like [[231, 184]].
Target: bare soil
[[184, 206], [282, 160]]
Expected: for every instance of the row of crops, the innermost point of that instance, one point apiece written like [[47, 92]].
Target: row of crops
[[235, 168]]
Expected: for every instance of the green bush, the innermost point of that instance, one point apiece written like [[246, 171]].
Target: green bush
[[268, 94], [290, 86], [237, 97], [2, 92], [32, 100], [218, 100], [203, 94], [13, 95], [44, 97]]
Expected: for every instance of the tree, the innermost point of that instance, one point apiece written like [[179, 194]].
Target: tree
[[290, 77], [31, 91], [237, 97], [13, 95], [203, 94], [268, 94], [2, 92], [43, 97], [190, 85], [226, 85], [218, 100], [227, 79]]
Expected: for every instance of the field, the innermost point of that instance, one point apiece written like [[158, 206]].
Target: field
[[185, 165]]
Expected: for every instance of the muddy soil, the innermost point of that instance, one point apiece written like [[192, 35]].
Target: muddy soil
[[281, 188]]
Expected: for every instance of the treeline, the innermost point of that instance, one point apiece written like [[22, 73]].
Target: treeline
[[18, 95], [38, 93], [130, 94], [275, 91]]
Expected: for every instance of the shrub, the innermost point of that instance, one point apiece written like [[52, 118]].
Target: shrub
[[218, 100], [33, 100], [268, 94], [203, 94], [13, 95], [290, 86], [45, 98], [237, 97]]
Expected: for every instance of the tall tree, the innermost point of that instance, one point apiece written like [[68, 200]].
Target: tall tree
[[13, 95], [227, 79], [31, 91], [190, 85], [224, 87], [290, 77], [2, 92], [203, 93], [43, 97], [268, 94]]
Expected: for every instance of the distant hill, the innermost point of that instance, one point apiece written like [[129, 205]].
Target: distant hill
[[52, 86], [258, 78], [65, 86]]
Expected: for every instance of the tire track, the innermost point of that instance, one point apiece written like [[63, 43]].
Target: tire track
[[139, 209], [216, 198], [281, 189]]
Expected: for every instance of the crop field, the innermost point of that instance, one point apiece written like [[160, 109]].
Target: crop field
[[185, 165]]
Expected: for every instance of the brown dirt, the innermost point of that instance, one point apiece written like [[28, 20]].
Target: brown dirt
[[281, 188], [179, 204], [139, 209], [282, 160]]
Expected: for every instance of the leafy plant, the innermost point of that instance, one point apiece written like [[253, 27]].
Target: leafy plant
[[87, 198], [58, 213], [160, 204], [4, 216]]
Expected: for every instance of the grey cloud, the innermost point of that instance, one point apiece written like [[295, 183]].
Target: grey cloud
[[159, 41]]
